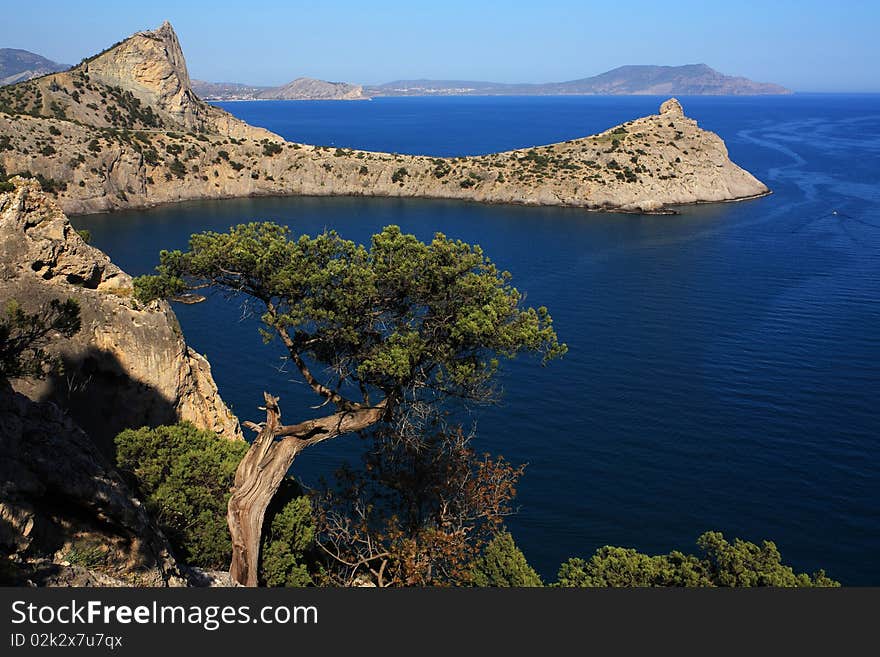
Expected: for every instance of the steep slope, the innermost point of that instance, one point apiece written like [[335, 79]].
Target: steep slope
[[20, 65], [140, 83], [99, 146], [128, 366]]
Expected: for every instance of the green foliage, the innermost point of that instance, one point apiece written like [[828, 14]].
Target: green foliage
[[502, 564], [185, 475], [272, 148], [739, 564], [85, 234], [177, 168], [86, 553], [288, 538], [399, 175], [401, 317], [24, 338], [151, 156]]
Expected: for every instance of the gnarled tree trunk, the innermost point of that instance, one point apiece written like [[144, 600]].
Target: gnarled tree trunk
[[263, 468]]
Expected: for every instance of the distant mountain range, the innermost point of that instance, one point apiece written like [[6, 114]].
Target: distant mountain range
[[19, 65], [299, 89], [688, 80]]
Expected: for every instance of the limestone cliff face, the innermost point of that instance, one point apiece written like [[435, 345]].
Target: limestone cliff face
[[151, 66], [125, 130], [129, 366]]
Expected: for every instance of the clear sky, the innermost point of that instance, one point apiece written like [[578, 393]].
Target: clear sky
[[806, 45]]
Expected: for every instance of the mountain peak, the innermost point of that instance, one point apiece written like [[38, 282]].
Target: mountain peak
[[152, 67]]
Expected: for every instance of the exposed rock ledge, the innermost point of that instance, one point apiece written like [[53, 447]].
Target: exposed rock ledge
[[129, 366]]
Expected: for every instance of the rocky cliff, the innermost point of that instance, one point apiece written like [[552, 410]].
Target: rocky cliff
[[129, 365], [125, 130]]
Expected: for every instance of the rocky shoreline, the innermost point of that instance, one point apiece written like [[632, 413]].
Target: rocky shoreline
[[125, 130]]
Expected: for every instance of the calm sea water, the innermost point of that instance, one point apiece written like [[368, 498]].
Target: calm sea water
[[724, 364]]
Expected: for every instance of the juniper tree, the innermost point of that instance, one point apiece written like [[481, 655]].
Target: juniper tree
[[383, 333]]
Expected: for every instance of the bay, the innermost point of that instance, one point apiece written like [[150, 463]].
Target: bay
[[724, 363]]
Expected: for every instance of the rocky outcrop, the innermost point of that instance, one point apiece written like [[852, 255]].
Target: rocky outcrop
[[140, 83], [129, 365], [151, 66], [143, 138], [66, 517]]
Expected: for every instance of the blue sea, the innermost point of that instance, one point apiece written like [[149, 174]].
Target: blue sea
[[724, 364]]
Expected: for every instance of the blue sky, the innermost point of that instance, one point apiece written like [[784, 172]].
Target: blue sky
[[805, 45]]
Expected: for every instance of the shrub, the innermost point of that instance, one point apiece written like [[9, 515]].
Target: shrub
[[185, 475], [177, 168], [740, 564], [288, 538], [271, 149], [399, 175], [502, 564], [24, 338]]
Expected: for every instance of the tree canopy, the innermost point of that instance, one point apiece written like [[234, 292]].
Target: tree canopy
[[408, 319], [380, 333]]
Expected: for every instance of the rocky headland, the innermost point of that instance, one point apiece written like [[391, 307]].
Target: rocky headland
[[125, 130], [66, 515]]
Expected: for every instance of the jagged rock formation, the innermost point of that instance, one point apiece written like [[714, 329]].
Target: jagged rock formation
[[100, 145], [128, 366], [66, 517], [19, 65], [140, 83]]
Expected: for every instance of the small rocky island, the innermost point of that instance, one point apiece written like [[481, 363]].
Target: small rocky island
[[124, 129]]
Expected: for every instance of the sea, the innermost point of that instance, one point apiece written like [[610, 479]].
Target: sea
[[723, 370]]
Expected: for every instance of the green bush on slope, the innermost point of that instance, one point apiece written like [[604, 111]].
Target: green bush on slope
[[185, 475], [740, 564]]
